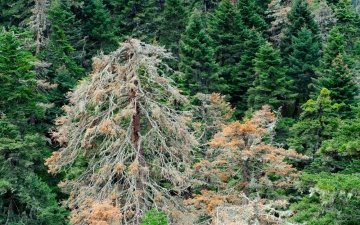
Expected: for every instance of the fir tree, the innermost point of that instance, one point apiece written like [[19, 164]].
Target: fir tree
[[335, 75], [140, 19], [249, 13], [173, 25], [346, 140], [96, 25], [197, 61], [61, 53], [318, 121], [303, 61], [13, 13], [227, 32], [243, 75], [270, 85], [299, 17], [17, 81], [23, 197]]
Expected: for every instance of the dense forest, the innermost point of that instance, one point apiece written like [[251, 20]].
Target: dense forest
[[158, 112]]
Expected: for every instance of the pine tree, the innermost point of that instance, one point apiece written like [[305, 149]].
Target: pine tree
[[197, 61], [303, 61], [243, 75], [173, 25], [227, 32], [122, 123], [299, 17], [270, 85]]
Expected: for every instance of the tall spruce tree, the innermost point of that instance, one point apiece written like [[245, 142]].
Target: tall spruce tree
[[249, 12], [96, 25], [299, 17], [24, 199], [270, 85], [197, 61], [302, 63], [140, 19], [173, 25], [335, 75], [61, 52], [318, 121], [243, 75], [227, 32]]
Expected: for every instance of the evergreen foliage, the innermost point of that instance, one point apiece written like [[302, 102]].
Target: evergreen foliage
[[197, 62], [127, 141], [153, 217], [139, 19], [299, 17], [317, 122], [61, 52], [302, 63], [173, 25], [13, 13], [335, 75], [96, 26], [249, 13], [243, 73], [227, 32], [24, 198], [346, 140], [17, 81], [270, 85]]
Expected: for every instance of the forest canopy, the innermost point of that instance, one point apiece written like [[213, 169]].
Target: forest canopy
[[180, 112]]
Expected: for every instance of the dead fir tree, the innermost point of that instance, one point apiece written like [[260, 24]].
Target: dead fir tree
[[124, 122]]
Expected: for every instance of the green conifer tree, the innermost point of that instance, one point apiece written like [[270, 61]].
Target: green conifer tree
[[270, 85], [197, 61], [317, 123], [249, 11], [61, 52], [302, 63], [227, 31], [335, 75], [97, 26], [24, 199], [12, 13], [173, 25], [140, 19], [243, 75], [299, 17]]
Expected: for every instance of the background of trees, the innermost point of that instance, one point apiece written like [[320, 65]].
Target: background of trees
[[254, 105]]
